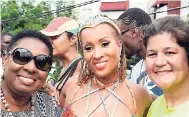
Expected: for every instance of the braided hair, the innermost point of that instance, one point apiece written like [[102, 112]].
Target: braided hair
[[135, 17]]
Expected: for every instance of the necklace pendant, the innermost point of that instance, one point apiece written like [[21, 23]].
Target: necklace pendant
[[134, 116]]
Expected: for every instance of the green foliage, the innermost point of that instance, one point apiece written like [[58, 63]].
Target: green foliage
[[65, 4], [25, 15], [58, 69]]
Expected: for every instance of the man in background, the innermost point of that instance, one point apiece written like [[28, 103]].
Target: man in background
[[5, 40], [130, 24]]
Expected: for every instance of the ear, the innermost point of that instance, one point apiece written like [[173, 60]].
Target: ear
[[134, 32], [73, 40], [120, 45], [120, 42], [4, 61]]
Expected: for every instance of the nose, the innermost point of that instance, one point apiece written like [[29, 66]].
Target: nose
[[98, 53], [160, 60], [30, 67]]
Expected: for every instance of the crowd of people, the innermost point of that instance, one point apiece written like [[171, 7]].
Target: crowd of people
[[93, 81]]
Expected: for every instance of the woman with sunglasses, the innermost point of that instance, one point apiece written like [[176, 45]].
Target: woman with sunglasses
[[102, 89], [167, 64], [26, 65]]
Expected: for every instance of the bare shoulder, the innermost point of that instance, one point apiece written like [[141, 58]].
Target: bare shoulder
[[139, 90], [142, 97], [71, 83], [68, 90]]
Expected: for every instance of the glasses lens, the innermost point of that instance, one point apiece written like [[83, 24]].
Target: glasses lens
[[43, 62], [122, 33], [21, 56]]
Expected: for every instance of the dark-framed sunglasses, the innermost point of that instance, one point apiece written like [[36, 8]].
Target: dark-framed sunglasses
[[122, 33], [23, 56]]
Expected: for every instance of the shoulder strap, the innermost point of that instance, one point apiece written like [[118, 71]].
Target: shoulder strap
[[67, 74]]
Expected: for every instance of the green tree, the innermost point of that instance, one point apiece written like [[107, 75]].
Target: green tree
[[9, 11], [25, 15], [65, 8], [18, 16]]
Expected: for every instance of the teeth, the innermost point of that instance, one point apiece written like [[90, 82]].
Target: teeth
[[163, 72], [101, 64]]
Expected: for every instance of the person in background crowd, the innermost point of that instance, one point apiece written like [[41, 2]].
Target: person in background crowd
[[26, 65], [1, 70], [167, 64], [62, 31], [130, 24], [102, 89], [5, 40]]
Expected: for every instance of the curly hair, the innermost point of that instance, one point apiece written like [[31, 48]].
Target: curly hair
[[86, 73]]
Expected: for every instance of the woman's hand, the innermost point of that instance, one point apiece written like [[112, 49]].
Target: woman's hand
[[51, 90]]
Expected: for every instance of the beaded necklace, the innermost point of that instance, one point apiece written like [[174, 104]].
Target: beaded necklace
[[7, 106]]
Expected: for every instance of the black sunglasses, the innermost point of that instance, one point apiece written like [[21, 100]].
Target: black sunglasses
[[122, 33], [23, 56]]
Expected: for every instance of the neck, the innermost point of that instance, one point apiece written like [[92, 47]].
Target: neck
[[68, 57], [142, 52], [109, 79], [16, 101], [177, 95]]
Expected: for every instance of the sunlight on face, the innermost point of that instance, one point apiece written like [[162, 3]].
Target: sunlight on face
[[101, 49], [166, 61]]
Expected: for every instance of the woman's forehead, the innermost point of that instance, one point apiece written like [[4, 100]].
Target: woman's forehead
[[32, 44]]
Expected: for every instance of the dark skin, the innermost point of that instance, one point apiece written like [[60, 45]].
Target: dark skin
[[5, 40], [106, 75], [21, 81], [133, 41]]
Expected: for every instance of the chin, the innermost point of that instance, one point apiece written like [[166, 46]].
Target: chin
[[163, 84], [24, 90], [100, 74]]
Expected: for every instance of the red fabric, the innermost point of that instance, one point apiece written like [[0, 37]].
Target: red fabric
[[56, 23], [110, 6], [68, 113]]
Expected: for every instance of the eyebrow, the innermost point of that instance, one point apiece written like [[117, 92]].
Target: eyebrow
[[102, 39], [167, 48]]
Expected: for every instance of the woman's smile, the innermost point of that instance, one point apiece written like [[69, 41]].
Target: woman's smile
[[101, 65], [27, 80]]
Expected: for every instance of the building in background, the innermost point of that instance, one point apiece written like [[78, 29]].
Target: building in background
[[87, 11], [113, 8], [164, 5]]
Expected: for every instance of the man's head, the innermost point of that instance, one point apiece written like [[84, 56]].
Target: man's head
[[5, 40], [62, 33], [130, 23]]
